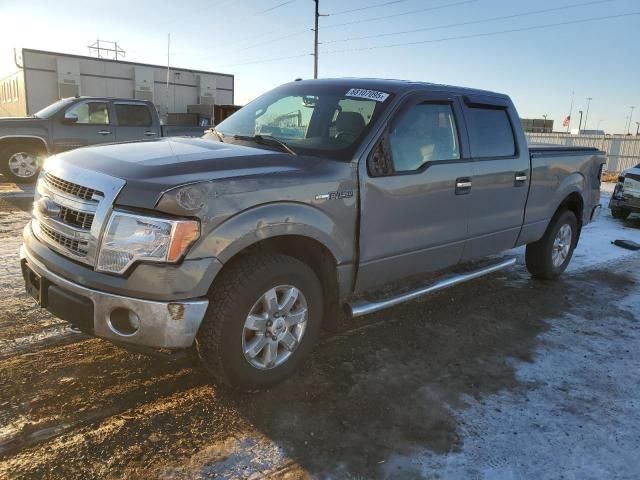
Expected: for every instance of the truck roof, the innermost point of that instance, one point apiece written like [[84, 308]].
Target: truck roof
[[111, 99], [395, 86]]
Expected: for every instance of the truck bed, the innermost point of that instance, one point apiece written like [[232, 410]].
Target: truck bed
[[552, 149]]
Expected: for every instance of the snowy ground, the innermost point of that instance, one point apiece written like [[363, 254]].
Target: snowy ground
[[500, 378]]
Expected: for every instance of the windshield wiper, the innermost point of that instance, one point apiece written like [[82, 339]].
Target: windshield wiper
[[267, 140], [218, 134]]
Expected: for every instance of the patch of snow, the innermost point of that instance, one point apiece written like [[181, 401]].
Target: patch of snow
[[595, 247], [576, 416]]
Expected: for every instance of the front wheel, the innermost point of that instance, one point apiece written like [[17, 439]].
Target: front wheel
[[549, 257], [263, 319]]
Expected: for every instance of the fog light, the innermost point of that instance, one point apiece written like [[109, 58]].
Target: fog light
[[124, 322]]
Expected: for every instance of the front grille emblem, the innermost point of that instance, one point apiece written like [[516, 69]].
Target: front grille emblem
[[48, 207]]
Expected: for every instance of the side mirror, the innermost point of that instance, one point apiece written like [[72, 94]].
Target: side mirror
[[70, 117], [379, 162]]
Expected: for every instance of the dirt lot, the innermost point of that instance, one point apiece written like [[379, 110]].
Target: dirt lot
[[503, 377]]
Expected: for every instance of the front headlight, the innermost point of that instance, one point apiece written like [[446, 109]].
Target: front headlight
[[130, 238]]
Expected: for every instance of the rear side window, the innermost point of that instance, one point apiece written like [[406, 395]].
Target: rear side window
[[133, 115], [490, 133]]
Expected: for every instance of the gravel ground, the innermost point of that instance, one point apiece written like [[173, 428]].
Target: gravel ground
[[502, 377]]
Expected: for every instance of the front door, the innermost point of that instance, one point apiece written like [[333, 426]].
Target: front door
[[93, 125], [414, 215]]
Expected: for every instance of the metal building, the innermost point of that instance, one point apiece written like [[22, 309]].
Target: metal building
[[42, 78]]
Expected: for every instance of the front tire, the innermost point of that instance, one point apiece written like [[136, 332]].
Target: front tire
[[620, 213], [264, 317], [549, 257], [21, 162]]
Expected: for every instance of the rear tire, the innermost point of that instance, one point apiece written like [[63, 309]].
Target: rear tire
[[240, 333], [549, 257], [21, 162], [620, 213]]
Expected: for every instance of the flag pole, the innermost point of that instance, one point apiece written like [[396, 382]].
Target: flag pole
[[570, 110]]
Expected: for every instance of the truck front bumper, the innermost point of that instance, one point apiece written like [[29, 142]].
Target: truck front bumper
[[113, 317]]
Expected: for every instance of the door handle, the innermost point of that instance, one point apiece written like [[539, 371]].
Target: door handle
[[104, 132], [463, 185], [150, 134], [520, 179]]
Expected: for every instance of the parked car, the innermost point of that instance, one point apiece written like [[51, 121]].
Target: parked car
[[76, 122], [626, 194], [244, 243]]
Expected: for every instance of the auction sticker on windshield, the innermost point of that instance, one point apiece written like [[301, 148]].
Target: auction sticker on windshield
[[368, 94]]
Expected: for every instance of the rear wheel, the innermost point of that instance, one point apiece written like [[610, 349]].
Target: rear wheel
[[620, 213], [264, 317], [20, 163], [549, 257]]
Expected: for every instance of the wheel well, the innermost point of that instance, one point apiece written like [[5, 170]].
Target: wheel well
[[5, 143], [574, 203], [311, 252]]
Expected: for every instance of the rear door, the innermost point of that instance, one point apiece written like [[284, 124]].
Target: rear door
[[94, 125], [414, 214], [500, 183], [135, 121]]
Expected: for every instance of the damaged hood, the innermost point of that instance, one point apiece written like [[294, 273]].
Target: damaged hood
[[150, 168]]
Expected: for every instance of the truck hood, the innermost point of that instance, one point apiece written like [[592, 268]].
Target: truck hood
[[150, 168]]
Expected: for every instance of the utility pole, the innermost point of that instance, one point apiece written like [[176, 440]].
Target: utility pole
[[586, 117], [168, 68], [315, 38]]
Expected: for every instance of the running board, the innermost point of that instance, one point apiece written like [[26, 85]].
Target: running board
[[363, 307]]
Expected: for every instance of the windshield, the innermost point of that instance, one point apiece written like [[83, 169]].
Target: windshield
[[328, 121], [51, 110]]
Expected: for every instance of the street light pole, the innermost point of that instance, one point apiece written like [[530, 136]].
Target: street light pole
[[586, 116], [580, 124], [630, 119]]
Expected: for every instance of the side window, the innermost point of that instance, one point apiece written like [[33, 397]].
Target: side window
[[91, 113], [133, 115], [426, 132], [490, 133]]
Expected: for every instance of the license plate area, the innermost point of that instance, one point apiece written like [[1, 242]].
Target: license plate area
[[35, 285]]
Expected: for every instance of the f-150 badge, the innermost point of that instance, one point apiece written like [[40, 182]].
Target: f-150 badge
[[335, 195]]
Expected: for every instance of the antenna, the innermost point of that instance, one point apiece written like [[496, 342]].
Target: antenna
[[106, 49]]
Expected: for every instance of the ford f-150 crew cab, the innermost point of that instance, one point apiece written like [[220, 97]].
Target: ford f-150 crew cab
[[302, 205], [76, 122]]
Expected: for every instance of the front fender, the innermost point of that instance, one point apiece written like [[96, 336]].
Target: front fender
[[274, 220]]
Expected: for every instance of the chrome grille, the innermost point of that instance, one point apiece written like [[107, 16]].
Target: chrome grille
[[77, 247], [71, 205], [76, 218], [71, 188]]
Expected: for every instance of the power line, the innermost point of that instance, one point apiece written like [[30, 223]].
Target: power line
[[273, 8], [444, 39], [471, 22], [385, 17], [486, 34], [368, 7]]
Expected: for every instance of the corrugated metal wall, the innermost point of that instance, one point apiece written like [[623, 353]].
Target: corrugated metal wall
[[622, 151]]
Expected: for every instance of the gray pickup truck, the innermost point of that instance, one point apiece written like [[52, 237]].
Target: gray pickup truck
[[72, 123], [318, 198]]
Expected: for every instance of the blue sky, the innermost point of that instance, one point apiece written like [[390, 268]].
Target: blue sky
[[539, 68]]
